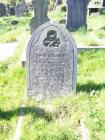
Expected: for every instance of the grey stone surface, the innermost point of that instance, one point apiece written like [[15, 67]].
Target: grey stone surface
[[51, 62], [21, 9], [2, 9], [77, 14], [40, 14], [58, 2], [12, 11]]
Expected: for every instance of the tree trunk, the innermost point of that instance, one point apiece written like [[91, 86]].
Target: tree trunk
[[77, 14]]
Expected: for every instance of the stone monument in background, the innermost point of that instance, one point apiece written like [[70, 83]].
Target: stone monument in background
[[2, 9], [51, 62], [21, 9], [40, 14], [77, 14]]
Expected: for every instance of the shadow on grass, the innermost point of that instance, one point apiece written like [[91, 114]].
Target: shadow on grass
[[88, 87], [103, 28], [36, 112]]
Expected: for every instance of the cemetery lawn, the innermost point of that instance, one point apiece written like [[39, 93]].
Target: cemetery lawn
[[12, 91], [57, 119], [9, 32], [94, 36], [60, 119]]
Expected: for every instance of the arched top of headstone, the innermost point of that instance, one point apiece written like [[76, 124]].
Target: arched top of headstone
[[54, 28]]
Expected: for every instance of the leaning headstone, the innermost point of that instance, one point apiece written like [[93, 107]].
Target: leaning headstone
[[40, 14], [2, 9], [51, 62]]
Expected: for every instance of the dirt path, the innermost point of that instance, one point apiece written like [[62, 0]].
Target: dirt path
[[7, 50]]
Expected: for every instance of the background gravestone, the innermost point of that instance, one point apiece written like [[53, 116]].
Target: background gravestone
[[51, 62], [77, 14], [2, 9], [40, 14], [103, 3], [12, 10], [58, 2], [21, 9]]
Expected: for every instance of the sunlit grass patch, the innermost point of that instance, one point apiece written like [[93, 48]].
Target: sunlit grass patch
[[9, 32], [12, 91]]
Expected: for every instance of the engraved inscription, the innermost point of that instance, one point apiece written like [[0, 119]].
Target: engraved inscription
[[51, 40], [51, 68]]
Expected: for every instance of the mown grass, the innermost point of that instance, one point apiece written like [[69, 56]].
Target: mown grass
[[59, 119], [11, 33], [12, 91], [95, 34]]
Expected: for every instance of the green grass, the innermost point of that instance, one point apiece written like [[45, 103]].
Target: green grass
[[95, 34], [11, 33], [12, 91], [59, 119]]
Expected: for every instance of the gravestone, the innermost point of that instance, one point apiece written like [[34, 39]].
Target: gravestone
[[51, 62], [77, 14], [18, 10], [40, 14], [2, 9], [21, 9], [12, 10]]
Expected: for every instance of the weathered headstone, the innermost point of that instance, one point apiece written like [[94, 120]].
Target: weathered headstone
[[77, 14], [2, 9], [51, 62], [21, 9], [40, 14]]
